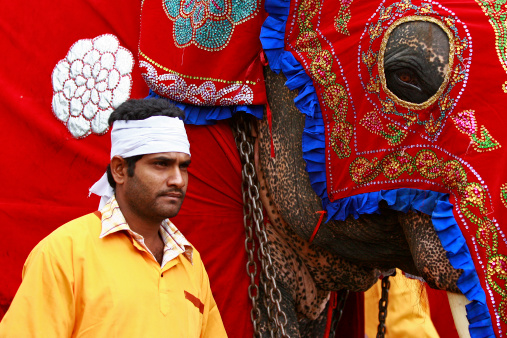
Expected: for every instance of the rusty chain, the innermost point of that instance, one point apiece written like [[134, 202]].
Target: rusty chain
[[382, 307], [254, 219]]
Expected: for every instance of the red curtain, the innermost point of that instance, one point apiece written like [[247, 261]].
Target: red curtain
[[46, 173], [212, 219]]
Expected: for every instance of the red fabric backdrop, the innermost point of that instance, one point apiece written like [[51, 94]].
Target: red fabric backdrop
[[45, 172], [212, 219]]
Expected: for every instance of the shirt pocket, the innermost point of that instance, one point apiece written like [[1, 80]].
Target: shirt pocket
[[195, 311]]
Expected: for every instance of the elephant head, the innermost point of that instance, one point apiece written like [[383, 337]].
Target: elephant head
[[388, 142]]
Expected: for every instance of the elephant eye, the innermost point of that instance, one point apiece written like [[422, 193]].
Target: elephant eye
[[416, 61], [406, 77]]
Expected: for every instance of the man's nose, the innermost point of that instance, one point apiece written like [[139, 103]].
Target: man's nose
[[176, 178]]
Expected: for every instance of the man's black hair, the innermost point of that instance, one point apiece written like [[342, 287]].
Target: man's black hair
[[132, 110]]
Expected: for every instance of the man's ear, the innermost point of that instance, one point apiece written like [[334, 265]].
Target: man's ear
[[118, 169]]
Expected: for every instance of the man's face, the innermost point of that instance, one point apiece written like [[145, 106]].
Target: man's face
[[158, 187]]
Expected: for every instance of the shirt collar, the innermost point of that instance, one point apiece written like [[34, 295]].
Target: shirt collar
[[174, 241]]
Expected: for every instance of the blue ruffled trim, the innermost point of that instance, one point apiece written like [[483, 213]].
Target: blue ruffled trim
[[208, 115], [429, 202]]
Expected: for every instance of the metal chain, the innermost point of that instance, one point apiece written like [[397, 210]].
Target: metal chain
[[338, 312], [253, 218], [251, 266], [382, 307]]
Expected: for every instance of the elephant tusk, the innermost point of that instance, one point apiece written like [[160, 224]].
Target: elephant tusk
[[457, 303]]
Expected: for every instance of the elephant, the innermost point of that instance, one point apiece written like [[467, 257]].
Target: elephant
[[349, 254], [369, 126]]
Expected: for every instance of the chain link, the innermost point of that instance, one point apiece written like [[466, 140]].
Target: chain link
[[382, 307], [253, 218]]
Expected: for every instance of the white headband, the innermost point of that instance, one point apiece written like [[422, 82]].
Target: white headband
[[157, 134]]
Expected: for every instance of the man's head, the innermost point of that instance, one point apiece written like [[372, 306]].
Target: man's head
[[140, 110], [150, 154], [157, 187]]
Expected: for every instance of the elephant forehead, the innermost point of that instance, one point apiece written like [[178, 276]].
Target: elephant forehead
[[422, 36], [423, 41]]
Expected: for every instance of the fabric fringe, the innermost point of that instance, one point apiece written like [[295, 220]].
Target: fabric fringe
[[209, 115]]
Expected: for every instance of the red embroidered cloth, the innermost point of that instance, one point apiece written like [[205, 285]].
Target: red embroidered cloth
[[454, 143], [203, 52]]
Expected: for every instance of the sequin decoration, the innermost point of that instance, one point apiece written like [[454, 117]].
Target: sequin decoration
[[208, 24], [340, 138], [406, 115], [342, 19], [503, 194], [466, 123], [90, 82], [334, 94], [497, 13], [392, 133], [203, 95]]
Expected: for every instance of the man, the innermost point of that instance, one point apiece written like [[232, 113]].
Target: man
[[125, 271]]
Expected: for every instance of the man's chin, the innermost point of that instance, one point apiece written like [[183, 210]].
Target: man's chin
[[171, 212]]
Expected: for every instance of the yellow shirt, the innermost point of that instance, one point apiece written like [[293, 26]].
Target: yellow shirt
[[174, 242], [408, 312], [76, 284]]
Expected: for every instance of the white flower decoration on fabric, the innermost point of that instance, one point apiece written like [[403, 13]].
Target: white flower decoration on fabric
[[90, 82]]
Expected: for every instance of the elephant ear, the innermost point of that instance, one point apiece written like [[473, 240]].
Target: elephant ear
[[400, 109], [204, 56]]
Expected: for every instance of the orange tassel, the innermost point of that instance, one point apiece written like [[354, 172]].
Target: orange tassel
[[322, 213]]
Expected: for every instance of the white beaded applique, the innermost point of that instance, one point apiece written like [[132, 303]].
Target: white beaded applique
[[90, 82], [174, 87]]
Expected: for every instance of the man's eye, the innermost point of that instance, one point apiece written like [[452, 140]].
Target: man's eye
[[163, 164]]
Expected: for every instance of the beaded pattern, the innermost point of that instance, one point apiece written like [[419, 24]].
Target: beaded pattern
[[204, 95], [497, 13], [466, 123], [392, 133], [208, 24], [503, 194], [320, 70], [190, 77], [342, 19], [394, 111], [425, 162], [90, 82]]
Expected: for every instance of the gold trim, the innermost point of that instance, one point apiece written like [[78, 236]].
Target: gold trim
[[431, 100], [192, 77]]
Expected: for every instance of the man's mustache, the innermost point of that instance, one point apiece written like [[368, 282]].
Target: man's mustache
[[172, 191]]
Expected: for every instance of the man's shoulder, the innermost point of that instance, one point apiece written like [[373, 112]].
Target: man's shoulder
[[80, 226], [77, 230]]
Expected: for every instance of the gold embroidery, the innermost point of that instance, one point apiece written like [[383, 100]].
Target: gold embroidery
[[430, 101]]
